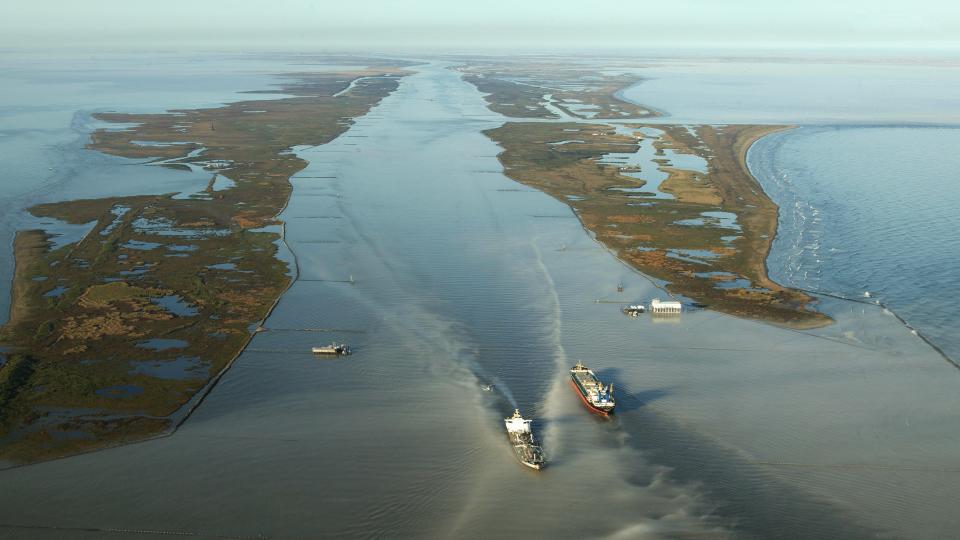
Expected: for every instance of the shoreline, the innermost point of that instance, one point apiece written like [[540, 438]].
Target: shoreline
[[655, 236], [775, 227], [840, 296], [23, 257], [197, 399], [676, 237], [217, 263]]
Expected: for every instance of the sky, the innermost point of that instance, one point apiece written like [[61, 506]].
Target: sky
[[461, 25]]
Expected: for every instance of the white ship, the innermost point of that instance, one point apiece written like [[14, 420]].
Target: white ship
[[524, 444], [333, 348]]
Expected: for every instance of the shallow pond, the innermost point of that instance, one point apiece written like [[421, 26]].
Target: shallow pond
[[179, 368], [176, 305], [119, 392], [161, 344]]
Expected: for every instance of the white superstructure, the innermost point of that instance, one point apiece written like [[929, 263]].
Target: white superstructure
[[517, 424], [524, 444], [665, 307]]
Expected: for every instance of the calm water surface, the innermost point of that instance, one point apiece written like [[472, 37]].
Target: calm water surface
[[724, 427], [868, 194], [45, 107], [804, 91]]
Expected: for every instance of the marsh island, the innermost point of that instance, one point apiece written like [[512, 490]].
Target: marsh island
[[676, 202], [112, 337]]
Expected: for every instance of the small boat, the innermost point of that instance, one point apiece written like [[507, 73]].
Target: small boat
[[595, 395], [619, 287], [524, 444], [334, 348], [634, 310], [486, 387]]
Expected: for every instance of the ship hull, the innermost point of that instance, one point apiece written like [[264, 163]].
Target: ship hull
[[330, 351], [526, 450], [586, 401]]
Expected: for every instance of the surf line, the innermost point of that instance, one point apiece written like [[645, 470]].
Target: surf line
[[880, 304]]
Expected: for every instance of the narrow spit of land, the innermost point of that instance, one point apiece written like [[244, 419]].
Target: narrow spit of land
[[523, 89], [112, 335], [706, 233]]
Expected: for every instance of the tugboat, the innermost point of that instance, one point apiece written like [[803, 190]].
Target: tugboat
[[595, 396], [634, 310], [337, 349], [524, 445]]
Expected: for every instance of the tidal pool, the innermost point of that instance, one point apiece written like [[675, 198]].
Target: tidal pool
[[161, 344], [649, 165], [176, 305], [56, 292], [179, 368], [141, 245], [119, 392]]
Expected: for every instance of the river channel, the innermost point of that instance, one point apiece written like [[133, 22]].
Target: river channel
[[445, 276]]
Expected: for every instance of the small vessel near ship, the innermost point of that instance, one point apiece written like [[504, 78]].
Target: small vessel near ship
[[595, 395], [337, 349], [524, 444], [634, 310]]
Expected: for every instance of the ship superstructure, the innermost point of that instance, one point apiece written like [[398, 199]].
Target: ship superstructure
[[524, 444]]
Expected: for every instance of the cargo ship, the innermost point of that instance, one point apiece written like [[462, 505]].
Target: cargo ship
[[595, 395], [524, 444]]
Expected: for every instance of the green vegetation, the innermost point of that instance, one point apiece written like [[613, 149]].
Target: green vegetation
[[13, 377], [670, 239], [201, 269]]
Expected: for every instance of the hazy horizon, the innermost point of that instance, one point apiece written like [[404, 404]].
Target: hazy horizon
[[534, 25]]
